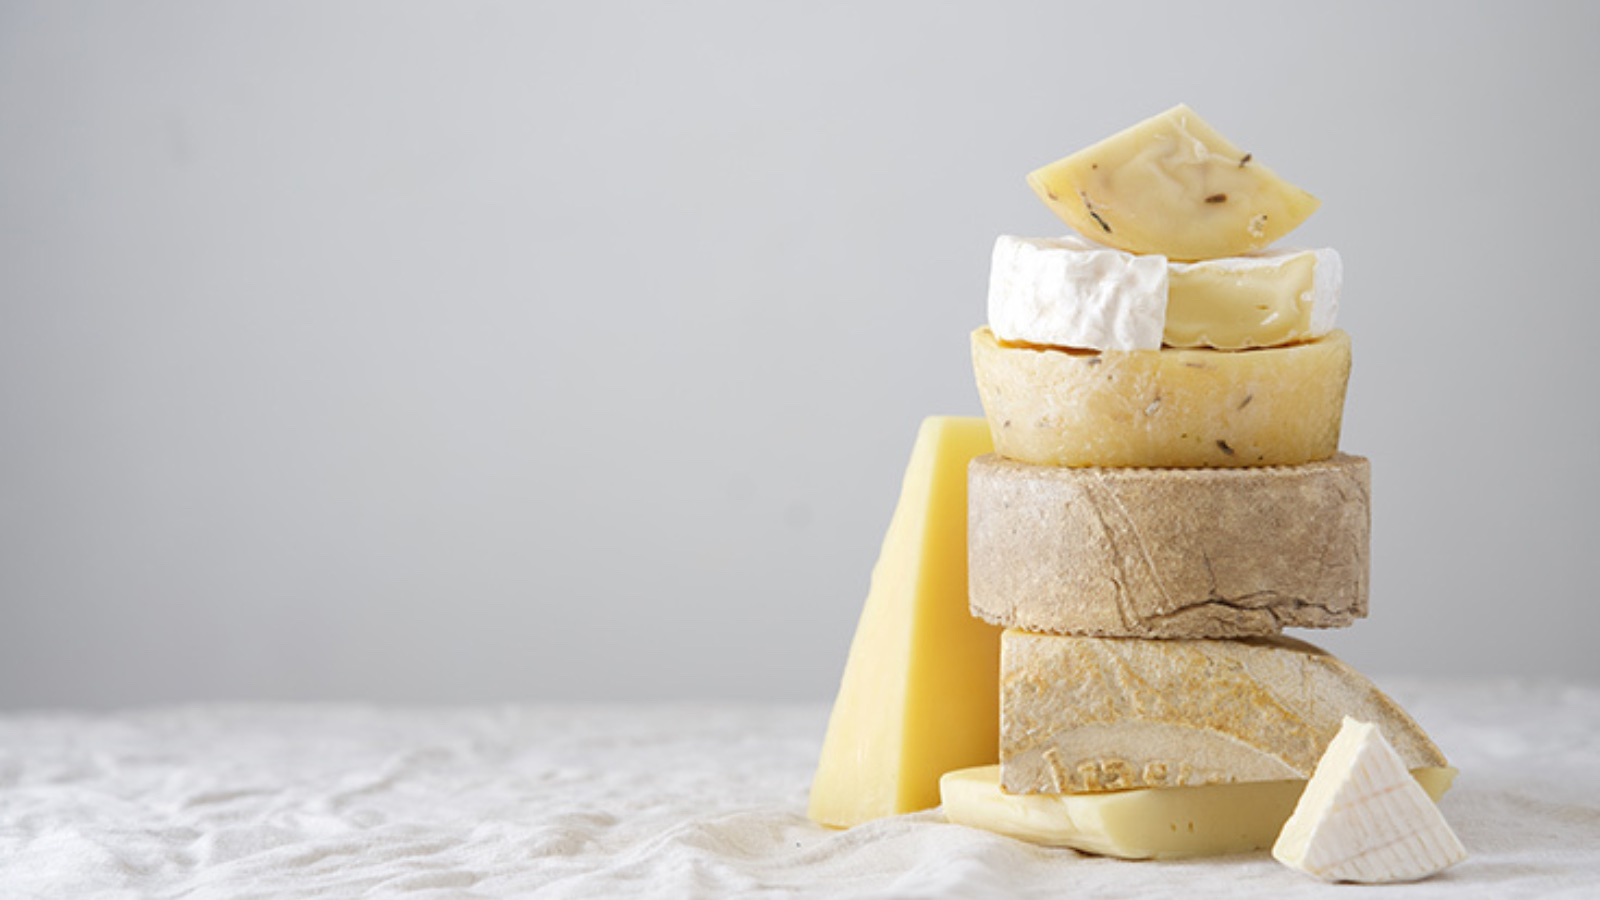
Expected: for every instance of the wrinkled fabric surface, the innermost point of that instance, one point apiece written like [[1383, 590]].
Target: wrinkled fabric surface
[[663, 800]]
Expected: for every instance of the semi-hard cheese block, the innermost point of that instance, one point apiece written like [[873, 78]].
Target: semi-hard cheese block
[[1168, 553], [1085, 714], [1070, 292], [1362, 818], [1172, 185], [1279, 406], [1151, 823], [919, 695]]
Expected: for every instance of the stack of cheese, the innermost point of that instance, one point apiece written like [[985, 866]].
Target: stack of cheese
[[1164, 495]]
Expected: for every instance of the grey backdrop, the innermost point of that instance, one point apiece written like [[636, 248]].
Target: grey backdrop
[[480, 351]]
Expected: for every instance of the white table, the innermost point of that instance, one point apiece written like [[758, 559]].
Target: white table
[[676, 800]]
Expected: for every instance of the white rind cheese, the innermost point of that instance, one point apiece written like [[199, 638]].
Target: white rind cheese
[[1363, 818], [1263, 299]]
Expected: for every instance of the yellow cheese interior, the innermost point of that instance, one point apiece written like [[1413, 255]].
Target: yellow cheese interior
[[920, 693], [1150, 823], [1172, 185], [1234, 307]]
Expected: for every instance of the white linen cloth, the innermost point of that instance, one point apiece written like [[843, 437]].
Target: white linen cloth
[[664, 800]]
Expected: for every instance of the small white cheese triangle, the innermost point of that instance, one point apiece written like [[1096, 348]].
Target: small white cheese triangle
[[1363, 818]]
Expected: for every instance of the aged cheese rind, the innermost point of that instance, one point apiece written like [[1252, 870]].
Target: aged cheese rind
[[1168, 553], [1172, 185], [1278, 406], [1086, 714], [1152, 823], [1071, 292], [919, 694], [1362, 819]]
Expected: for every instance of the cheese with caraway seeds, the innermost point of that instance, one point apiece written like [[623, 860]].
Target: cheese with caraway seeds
[[1362, 819], [1172, 185], [1279, 406], [1149, 823], [1070, 292], [1168, 553], [919, 695], [1086, 714]]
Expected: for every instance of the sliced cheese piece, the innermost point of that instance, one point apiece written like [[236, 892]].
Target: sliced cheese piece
[[1280, 406], [919, 695], [1085, 714], [1150, 823], [1264, 299], [1362, 818], [1168, 553], [1172, 185], [1070, 292]]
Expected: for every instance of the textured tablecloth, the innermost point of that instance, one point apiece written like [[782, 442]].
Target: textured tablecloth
[[663, 800]]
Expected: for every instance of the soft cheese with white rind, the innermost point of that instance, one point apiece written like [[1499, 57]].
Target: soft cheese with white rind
[[1068, 292], [1362, 818], [1086, 714], [1168, 553], [1279, 406], [1151, 823], [1172, 185], [1071, 292]]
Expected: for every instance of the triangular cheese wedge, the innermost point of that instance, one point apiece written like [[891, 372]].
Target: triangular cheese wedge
[[1363, 818], [920, 692]]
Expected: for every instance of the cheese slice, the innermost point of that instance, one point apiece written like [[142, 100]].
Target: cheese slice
[[1151, 823], [919, 695], [1084, 714], [1164, 553], [1071, 292], [1279, 406], [1172, 185], [1362, 818]]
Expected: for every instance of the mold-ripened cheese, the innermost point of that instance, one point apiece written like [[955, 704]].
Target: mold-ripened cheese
[[919, 695], [1172, 185], [1278, 406], [1070, 292], [1086, 714], [1162, 553], [1362, 818], [1151, 823]]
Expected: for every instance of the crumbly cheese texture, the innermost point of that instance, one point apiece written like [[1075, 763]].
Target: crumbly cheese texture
[[1278, 406], [919, 696], [1071, 292], [1172, 185], [1151, 823], [1362, 818], [1086, 714], [1169, 553]]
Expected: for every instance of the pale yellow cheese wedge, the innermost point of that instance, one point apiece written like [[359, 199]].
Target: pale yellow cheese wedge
[[1172, 185], [1278, 406], [1150, 823], [919, 695]]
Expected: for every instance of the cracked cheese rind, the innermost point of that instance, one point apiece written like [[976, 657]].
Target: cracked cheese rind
[[1172, 185], [1168, 553], [1278, 406], [1088, 714], [1362, 819], [1070, 292], [1153, 823], [919, 695]]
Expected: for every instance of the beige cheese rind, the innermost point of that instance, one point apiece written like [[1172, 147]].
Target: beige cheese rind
[[1279, 406], [1086, 714], [1168, 553]]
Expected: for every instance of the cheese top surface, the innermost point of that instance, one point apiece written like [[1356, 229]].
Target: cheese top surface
[[1172, 185]]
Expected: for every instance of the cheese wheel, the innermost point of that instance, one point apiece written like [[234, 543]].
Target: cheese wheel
[[1168, 553], [1276, 406], [1086, 714]]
